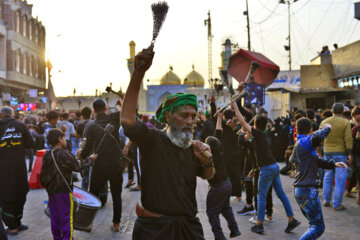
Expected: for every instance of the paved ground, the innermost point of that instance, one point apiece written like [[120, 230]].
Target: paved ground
[[339, 225]]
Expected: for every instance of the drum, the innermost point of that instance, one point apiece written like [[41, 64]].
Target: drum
[[88, 205]]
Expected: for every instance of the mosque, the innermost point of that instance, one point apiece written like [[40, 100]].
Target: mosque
[[153, 94], [170, 83]]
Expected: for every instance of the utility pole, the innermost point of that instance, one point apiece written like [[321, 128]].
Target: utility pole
[[289, 35], [207, 23], [288, 47], [248, 24]]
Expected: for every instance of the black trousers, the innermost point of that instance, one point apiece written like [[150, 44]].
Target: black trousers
[[114, 176], [12, 212], [3, 234], [218, 202], [269, 203], [168, 227], [30, 154], [133, 154], [130, 168]]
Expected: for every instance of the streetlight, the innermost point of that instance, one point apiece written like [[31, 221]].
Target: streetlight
[[288, 47]]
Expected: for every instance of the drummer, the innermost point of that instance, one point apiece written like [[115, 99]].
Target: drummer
[[61, 203], [170, 164]]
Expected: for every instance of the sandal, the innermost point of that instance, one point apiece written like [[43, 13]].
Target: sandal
[[340, 208], [12, 233]]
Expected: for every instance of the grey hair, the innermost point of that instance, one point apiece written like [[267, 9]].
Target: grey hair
[[338, 108], [7, 112]]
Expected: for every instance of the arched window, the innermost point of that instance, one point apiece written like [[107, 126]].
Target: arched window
[[38, 65], [30, 30], [32, 66], [43, 36], [24, 25], [36, 33], [1, 12], [25, 64], [17, 22], [18, 60], [40, 37]]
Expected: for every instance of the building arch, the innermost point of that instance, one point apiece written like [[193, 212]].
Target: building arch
[[30, 29], [36, 33], [32, 66], [18, 61], [25, 64], [162, 97], [17, 21], [24, 26], [36, 68]]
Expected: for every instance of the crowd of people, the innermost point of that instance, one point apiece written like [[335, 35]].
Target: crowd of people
[[236, 151]]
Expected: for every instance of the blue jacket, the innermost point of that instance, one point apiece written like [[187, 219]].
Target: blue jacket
[[306, 160]]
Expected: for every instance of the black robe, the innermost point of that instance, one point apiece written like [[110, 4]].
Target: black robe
[[14, 138], [168, 186]]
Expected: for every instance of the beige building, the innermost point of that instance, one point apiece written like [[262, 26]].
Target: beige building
[[23, 47], [330, 77]]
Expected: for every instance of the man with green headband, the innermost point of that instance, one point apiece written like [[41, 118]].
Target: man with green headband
[[170, 162]]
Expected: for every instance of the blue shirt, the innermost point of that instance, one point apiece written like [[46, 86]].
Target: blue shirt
[[306, 160]]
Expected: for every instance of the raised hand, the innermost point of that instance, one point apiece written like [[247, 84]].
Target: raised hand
[[143, 60]]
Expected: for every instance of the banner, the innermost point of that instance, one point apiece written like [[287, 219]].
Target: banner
[[288, 80], [33, 93], [6, 96]]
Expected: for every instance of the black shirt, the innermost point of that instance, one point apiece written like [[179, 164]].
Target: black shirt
[[262, 148], [168, 173], [14, 139], [81, 127], [110, 152], [219, 165], [51, 179]]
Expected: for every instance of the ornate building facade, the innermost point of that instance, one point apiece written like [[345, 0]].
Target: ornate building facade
[[24, 48]]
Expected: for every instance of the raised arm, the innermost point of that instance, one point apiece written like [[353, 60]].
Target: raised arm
[[143, 62], [240, 117]]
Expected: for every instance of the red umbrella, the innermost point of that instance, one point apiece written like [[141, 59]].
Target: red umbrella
[[240, 62]]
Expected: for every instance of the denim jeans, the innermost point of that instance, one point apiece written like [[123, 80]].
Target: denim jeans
[[310, 205], [270, 175], [218, 202], [340, 180]]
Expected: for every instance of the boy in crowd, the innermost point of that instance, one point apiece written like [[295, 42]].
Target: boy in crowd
[[69, 129], [218, 198], [269, 172], [61, 203], [53, 118], [307, 163]]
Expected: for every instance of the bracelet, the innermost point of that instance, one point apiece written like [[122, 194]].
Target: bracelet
[[211, 164]]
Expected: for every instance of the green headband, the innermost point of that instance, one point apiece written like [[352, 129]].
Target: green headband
[[174, 102]]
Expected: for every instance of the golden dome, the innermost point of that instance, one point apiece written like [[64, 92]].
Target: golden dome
[[170, 78], [194, 79]]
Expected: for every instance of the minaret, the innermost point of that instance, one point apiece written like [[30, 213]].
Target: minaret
[[130, 61], [130, 64]]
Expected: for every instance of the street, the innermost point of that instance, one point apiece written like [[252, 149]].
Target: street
[[339, 225]]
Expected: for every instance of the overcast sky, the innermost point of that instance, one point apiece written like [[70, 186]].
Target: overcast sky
[[88, 40]]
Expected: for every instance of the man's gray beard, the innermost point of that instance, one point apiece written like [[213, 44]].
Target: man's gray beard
[[178, 136]]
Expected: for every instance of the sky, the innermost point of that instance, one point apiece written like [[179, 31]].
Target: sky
[[88, 40]]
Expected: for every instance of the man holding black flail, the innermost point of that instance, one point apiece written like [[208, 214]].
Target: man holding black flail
[[170, 162], [108, 164]]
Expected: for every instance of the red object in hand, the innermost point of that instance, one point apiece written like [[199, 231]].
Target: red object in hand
[[240, 62]]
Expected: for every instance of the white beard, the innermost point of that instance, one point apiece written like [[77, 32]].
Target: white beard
[[178, 136]]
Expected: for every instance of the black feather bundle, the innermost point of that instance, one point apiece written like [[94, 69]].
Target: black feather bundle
[[159, 11]]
